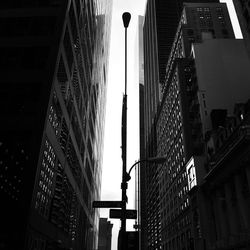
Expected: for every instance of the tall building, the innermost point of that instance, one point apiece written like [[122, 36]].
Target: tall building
[[159, 29], [52, 99], [141, 178], [105, 234], [201, 76]]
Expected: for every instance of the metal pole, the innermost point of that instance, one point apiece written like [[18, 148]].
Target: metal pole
[[126, 62], [124, 168], [126, 19]]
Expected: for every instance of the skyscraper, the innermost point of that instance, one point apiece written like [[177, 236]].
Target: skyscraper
[[105, 234], [161, 22], [206, 74], [52, 100], [159, 29], [141, 178], [179, 126]]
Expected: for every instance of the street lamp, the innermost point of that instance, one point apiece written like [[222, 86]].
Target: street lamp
[[157, 160], [126, 19], [126, 178], [126, 175]]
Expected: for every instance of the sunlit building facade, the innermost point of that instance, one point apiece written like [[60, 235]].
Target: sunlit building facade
[[54, 62]]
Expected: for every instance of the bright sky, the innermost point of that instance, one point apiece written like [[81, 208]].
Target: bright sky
[[112, 162]]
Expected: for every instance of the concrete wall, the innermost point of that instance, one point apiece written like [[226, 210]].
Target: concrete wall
[[223, 75]]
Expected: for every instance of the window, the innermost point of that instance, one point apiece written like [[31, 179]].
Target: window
[[45, 188], [192, 181]]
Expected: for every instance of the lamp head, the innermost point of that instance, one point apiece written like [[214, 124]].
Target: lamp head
[[126, 18]]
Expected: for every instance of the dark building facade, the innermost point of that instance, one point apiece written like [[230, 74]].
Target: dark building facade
[[225, 189], [141, 177], [219, 199], [242, 9], [217, 113], [105, 234], [52, 100], [159, 29], [178, 126], [204, 42]]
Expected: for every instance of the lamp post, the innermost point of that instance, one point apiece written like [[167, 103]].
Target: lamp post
[[126, 19], [158, 160], [126, 175]]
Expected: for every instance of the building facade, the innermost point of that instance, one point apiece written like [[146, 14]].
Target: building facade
[[192, 90], [105, 234], [160, 25], [223, 117], [183, 118], [242, 9], [52, 99], [223, 220], [140, 184]]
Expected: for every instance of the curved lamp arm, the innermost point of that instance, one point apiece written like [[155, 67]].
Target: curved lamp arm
[[157, 160]]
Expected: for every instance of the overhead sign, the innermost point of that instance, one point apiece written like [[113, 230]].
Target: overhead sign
[[117, 214], [106, 204]]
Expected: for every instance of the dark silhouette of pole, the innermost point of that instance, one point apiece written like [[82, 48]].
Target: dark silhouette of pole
[[126, 19]]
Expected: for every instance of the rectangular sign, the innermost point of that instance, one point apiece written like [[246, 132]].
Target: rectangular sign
[[106, 204], [117, 214]]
